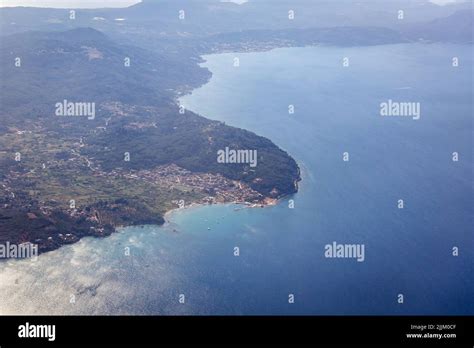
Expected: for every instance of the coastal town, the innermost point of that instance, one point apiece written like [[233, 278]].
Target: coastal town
[[216, 187], [42, 213]]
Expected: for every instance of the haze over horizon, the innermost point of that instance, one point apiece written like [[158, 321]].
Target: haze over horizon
[[113, 3]]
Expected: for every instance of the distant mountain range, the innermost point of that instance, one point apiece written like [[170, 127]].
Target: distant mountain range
[[456, 28], [210, 17]]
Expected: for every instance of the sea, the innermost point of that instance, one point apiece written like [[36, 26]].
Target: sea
[[400, 186]]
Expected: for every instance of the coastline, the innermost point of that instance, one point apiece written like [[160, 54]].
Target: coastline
[[95, 227], [167, 217]]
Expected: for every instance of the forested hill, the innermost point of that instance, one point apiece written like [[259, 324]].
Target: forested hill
[[84, 65]]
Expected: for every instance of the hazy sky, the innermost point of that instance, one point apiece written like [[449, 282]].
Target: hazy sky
[[104, 3], [69, 3]]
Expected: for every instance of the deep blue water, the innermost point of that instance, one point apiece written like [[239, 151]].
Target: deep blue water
[[407, 251]]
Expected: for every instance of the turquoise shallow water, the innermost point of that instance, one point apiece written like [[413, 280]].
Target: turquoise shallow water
[[407, 251]]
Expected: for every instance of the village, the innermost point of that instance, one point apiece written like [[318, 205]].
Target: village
[[217, 188]]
